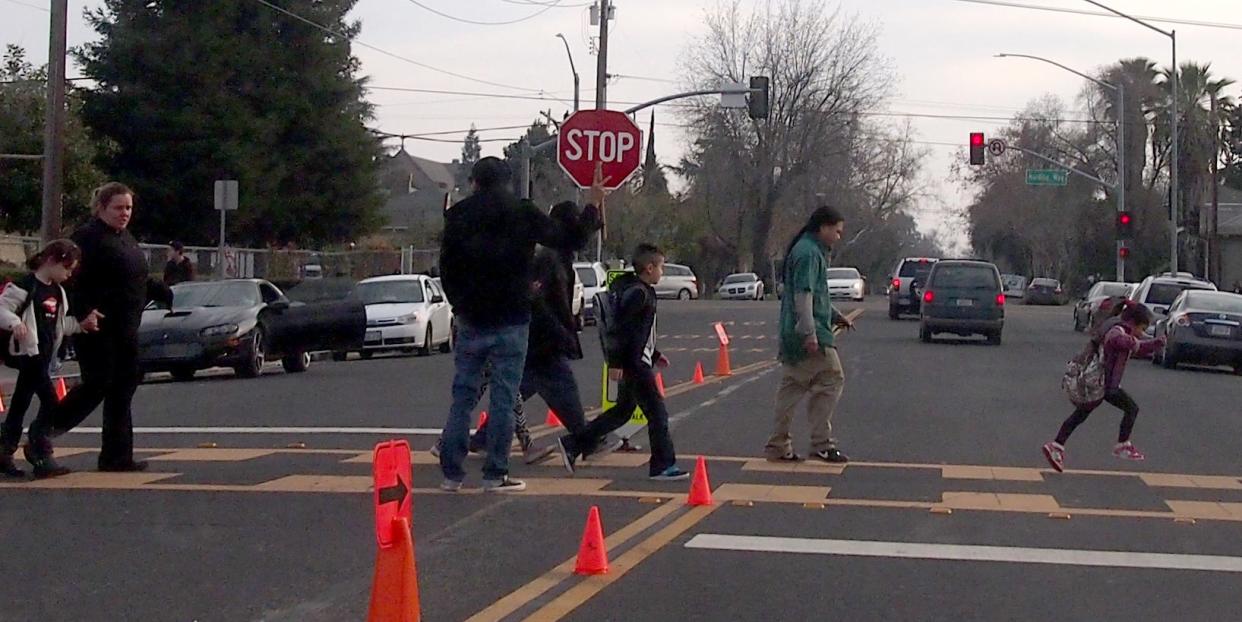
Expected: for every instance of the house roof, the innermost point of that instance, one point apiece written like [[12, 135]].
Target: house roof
[[440, 173]]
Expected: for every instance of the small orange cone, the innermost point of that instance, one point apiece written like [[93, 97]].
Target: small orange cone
[[723, 368], [394, 591], [660, 383], [552, 420], [698, 373], [482, 419], [2, 408], [61, 390], [593, 553], [700, 489]]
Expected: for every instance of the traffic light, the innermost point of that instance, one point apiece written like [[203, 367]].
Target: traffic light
[[977, 148], [757, 99], [1125, 225], [1123, 252]]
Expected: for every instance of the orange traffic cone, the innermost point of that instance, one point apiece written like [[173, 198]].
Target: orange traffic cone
[[552, 420], [394, 591], [698, 373], [723, 368], [61, 390], [482, 419], [593, 553], [2, 408], [660, 383], [700, 489]]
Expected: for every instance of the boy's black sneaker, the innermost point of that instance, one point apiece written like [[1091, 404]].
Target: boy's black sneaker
[[132, 466], [45, 468], [831, 456], [567, 457]]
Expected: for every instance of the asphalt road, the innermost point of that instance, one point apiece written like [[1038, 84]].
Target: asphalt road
[[257, 505]]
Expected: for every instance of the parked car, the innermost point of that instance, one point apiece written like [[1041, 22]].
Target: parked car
[[594, 279], [407, 313], [1043, 291], [741, 286], [846, 283], [242, 323], [1157, 292], [908, 277], [678, 282], [1098, 299], [1015, 285], [963, 297], [1203, 327]]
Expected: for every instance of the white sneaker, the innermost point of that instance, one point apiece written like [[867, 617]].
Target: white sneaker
[[450, 485], [506, 484]]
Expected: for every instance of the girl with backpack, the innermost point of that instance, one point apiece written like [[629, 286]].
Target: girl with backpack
[[1116, 340], [33, 310]]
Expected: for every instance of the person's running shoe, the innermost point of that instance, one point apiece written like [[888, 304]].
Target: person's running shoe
[[1127, 451], [567, 457], [9, 468], [671, 474], [450, 485], [505, 484], [1054, 453], [611, 443], [831, 456], [437, 448], [534, 454], [47, 467], [789, 456]]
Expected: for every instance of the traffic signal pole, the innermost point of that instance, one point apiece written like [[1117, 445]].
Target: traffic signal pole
[[54, 124], [1121, 172], [601, 100]]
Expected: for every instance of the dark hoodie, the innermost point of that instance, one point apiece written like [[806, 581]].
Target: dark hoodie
[[553, 328], [634, 324], [487, 251]]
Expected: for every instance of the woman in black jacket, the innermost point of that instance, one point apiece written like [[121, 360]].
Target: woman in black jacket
[[113, 278]]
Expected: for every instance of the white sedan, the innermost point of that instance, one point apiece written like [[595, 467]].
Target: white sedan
[[846, 283], [405, 312], [741, 286]]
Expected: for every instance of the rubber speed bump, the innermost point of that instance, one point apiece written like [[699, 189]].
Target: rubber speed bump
[[1059, 515], [207, 446], [939, 509], [296, 446]]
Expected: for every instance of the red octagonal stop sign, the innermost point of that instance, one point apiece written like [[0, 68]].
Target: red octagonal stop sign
[[605, 136]]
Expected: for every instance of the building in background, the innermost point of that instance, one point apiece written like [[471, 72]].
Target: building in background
[[417, 192]]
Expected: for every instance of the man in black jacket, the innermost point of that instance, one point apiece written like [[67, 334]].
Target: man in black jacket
[[114, 279], [485, 265], [179, 268], [632, 358]]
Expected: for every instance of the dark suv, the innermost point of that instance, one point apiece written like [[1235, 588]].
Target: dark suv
[[964, 297], [905, 285]]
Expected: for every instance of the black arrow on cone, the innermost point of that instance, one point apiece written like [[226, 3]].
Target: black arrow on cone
[[393, 493]]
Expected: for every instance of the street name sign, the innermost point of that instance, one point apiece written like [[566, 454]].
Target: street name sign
[[1046, 177]]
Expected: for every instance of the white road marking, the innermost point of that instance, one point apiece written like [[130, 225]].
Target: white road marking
[[963, 552], [272, 430]]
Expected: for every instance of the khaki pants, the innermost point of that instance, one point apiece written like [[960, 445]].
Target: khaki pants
[[821, 377]]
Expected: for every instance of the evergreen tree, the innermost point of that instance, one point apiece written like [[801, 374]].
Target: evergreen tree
[[471, 152], [192, 92]]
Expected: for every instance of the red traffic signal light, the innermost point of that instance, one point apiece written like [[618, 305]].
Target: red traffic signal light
[[1125, 225], [1123, 252], [977, 148]]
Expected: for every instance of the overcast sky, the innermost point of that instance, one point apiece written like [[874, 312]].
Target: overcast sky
[[941, 49]]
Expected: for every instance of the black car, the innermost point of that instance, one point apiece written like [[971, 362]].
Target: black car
[[1203, 327], [963, 297], [1043, 291], [242, 324]]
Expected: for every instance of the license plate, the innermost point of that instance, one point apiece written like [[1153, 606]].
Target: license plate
[[1220, 331], [965, 302], [374, 335]]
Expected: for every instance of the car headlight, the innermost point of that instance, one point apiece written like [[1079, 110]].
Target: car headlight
[[219, 330], [857, 286], [409, 318]]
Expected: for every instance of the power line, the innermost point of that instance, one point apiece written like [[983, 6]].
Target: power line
[[545, 9], [543, 96], [554, 3], [390, 54], [1166, 20], [31, 6]]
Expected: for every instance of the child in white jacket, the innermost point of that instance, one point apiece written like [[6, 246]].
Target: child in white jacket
[[34, 309]]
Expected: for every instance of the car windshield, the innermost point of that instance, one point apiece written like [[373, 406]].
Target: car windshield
[[1045, 283], [587, 276], [1108, 290], [842, 274], [221, 294], [965, 277], [1166, 293], [739, 278], [390, 292], [1216, 303], [916, 267]]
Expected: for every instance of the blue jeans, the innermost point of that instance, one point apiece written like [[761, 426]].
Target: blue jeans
[[554, 381], [505, 348]]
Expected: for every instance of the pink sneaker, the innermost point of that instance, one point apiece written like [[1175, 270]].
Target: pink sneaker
[[1054, 452], [1127, 451]]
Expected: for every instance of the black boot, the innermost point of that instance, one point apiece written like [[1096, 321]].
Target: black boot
[[43, 464], [9, 468]]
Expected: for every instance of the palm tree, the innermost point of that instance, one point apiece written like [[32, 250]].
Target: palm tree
[[1138, 76]]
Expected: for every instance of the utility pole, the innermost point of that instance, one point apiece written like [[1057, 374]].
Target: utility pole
[[54, 124], [601, 92]]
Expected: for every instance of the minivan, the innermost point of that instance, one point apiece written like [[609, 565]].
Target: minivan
[[963, 297], [679, 282], [909, 276]]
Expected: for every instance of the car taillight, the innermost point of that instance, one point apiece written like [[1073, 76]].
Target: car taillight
[[928, 296], [896, 283], [1182, 320], [1000, 300]]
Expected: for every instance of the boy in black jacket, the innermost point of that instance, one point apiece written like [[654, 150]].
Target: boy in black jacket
[[632, 360]]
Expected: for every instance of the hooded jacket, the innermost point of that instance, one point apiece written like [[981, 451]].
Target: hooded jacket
[[1119, 345], [635, 322], [11, 299]]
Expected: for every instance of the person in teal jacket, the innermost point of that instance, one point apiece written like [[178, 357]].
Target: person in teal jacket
[[809, 362]]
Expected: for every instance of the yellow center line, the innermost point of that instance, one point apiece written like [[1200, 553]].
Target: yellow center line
[[529, 592]]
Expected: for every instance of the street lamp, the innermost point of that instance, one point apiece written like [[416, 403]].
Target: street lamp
[[1172, 35], [1120, 90], [571, 67]]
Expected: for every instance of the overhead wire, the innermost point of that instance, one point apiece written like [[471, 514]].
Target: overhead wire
[[1166, 20], [464, 20], [31, 6]]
